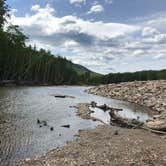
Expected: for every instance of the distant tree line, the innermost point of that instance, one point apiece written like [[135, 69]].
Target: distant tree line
[[135, 76]]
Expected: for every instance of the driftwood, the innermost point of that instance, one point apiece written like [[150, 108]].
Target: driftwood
[[105, 107], [158, 122], [151, 130], [134, 123], [124, 122], [157, 125], [62, 96], [66, 126]]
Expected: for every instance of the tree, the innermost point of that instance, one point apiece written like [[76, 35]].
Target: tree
[[3, 12], [15, 36]]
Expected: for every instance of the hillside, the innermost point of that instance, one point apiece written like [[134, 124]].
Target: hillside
[[82, 70]]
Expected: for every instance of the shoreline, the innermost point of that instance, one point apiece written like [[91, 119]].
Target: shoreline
[[151, 94], [106, 145]]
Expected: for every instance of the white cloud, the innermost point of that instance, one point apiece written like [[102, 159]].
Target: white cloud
[[77, 2], [97, 45], [70, 44], [96, 9], [35, 7], [157, 39], [44, 21], [160, 56], [138, 53], [148, 31]]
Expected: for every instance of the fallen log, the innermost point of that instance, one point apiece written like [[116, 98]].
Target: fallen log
[[66, 126], [153, 131], [106, 107], [62, 96], [124, 122], [133, 123], [157, 124]]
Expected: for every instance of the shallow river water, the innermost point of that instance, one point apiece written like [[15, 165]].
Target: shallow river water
[[20, 107]]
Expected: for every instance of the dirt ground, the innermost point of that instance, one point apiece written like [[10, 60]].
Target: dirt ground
[[105, 145]]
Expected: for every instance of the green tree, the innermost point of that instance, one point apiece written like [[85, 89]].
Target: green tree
[[3, 12]]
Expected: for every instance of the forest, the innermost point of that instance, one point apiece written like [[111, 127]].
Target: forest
[[25, 65], [135, 76]]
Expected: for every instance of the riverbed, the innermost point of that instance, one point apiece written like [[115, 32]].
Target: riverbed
[[20, 107]]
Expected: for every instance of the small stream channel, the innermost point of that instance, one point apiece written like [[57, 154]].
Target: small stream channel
[[20, 107], [104, 116]]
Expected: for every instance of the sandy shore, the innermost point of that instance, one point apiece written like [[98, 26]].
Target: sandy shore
[[107, 146]]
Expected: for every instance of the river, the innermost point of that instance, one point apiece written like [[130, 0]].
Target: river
[[20, 107]]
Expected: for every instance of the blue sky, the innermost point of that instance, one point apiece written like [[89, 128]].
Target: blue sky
[[103, 35]]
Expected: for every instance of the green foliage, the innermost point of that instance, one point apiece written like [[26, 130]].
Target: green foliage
[[15, 36], [3, 12], [136, 76]]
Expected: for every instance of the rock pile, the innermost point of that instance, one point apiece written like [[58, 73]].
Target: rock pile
[[146, 93]]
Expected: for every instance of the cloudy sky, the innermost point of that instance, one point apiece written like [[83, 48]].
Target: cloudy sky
[[103, 35]]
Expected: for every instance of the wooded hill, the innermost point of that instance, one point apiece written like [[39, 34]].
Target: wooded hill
[[26, 65]]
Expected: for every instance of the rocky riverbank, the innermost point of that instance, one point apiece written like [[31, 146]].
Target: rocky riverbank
[[111, 145], [106, 145], [146, 93], [151, 94]]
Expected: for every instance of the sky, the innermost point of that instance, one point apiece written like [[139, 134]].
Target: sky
[[106, 36]]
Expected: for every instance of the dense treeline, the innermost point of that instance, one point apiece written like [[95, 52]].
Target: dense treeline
[[138, 76], [26, 65]]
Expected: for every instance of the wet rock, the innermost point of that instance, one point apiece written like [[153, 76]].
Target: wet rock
[[38, 121], [44, 123], [93, 104], [51, 128]]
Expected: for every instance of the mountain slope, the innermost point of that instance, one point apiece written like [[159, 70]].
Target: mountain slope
[[82, 70]]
